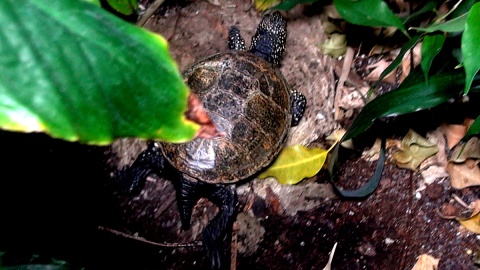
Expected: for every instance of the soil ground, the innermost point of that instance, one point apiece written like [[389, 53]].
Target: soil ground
[[54, 195]]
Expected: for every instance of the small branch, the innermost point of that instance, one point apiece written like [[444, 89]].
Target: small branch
[[149, 12], [141, 239]]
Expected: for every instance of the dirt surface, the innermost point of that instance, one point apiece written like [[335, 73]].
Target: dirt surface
[[54, 195]]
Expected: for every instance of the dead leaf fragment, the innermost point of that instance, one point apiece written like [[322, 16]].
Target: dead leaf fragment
[[426, 262], [335, 46], [465, 174], [414, 149], [454, 133], [262, 5], [470, 150], [472, 224]]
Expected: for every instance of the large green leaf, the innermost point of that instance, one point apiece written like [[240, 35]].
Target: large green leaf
[[414, 94], [73, 70], [431, 46], [126, 7], [398, 60], [368, 13], [474, 129], [471, 46], [289, 4], [454, 25]]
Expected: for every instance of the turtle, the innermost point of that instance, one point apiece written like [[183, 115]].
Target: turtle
[[249, 101]]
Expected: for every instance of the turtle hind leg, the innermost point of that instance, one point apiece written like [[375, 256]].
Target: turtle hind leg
[[299, 103], [217, 235], [235, 40]]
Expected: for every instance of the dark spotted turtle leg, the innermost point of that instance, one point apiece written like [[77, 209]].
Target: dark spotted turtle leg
[[235, 40], [218, 233], [299, 103]]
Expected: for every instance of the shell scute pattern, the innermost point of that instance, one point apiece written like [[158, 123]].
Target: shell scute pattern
[[248, 100]]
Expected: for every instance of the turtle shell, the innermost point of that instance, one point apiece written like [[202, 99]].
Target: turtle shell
[[248, 100]]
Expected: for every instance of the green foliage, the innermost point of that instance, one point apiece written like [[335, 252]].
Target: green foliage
[[368, 13], [125, 7], [76, 72], [431, 46], [471, 46]]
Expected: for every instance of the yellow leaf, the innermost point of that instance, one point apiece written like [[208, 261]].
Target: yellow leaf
[[296, 163], [335, 46], [262, 5], [472, 224]]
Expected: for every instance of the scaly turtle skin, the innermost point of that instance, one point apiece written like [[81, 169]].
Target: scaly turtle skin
[[248, 99]]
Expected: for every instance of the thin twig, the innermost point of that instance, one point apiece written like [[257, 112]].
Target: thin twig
[[141, 239], [149, 12]]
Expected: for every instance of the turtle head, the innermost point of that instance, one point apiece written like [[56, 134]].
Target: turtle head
[[270, 38]]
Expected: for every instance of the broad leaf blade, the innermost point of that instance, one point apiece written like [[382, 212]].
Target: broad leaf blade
[[73, 70], [398, 60], [289, 4], [431, 46], [471, 46], [125, 7], [452, 26], [296, 163], [413, 95], [368, 13], [474, 129]]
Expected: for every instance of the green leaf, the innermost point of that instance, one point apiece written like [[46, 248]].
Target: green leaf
[[125, 7], [471, 46], [431, 46], [398, 60], [71, 69], [454, 25], [474, 129], [295, 164], [427, 8], [38, 267], [414, 94], [289, 4], [368, 13], [370, 186]]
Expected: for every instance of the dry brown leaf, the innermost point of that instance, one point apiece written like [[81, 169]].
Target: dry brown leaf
[[454, 133], [472, 224], [465, 174], [475, 206], [407, 63], [414, 149], [331, 12], [378, 68], [426, 262], [470, 150]]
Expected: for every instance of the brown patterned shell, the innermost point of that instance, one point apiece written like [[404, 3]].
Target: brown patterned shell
[[248, 100]]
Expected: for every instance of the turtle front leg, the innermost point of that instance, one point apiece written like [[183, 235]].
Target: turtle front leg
[[235, 40], [299, 103], [218, 233], [132, 179]]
